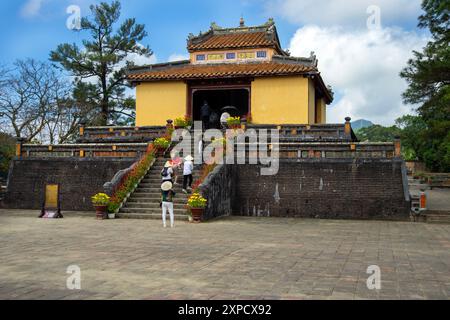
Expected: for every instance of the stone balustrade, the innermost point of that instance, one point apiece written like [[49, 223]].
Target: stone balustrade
[[327, 150], [119, 134], [103, 150]]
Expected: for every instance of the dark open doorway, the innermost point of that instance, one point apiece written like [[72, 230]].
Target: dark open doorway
[[220, 98]]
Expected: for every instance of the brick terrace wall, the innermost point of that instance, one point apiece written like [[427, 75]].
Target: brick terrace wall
[[325, 188], [219, 188], [79, 180]]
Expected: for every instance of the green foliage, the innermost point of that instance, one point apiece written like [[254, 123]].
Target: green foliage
[[428, 77], [234, 121], [419, 142], [104, 58], [377, 133], [412, 129], [7, 150], [161, 143], [182, 122]]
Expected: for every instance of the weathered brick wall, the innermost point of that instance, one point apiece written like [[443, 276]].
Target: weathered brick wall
[[219, 188], [79, 180], [343, 189]]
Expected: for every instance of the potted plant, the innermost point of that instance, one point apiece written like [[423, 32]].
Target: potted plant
[[100, 202], [197, 205], [234, 122], [161, 145], [181, 123]]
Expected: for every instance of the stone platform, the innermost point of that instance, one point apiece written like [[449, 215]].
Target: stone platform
[[230, 258]]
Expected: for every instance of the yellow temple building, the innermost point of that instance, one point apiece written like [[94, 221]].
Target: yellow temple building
[[241, 67]]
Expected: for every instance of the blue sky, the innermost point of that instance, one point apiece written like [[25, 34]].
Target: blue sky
[[361, 64], [167, 22]]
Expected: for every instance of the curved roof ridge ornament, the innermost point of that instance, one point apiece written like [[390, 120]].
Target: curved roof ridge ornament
[[313, 59], [242, 22], [215, 26]]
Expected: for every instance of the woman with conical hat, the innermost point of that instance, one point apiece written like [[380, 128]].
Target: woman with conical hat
[[167, 172], [188, 168], [167, 195]]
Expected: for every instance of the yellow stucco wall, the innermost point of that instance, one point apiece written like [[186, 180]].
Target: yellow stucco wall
[[311, 102], [157, 102], [321, 109], [280, 100]]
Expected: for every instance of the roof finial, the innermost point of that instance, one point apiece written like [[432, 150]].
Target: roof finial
[[242, 22]]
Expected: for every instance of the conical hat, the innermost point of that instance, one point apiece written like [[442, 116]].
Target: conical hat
[[168, 164], [166, 186]]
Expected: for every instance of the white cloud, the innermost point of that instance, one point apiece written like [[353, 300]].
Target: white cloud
[[362, 66], [140, 60], [344, 12], [178, 57], [31, 8]]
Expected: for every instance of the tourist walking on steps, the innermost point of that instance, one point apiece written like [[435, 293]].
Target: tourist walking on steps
[[188, 168], [205, 113], [167, 173], [167, 195]]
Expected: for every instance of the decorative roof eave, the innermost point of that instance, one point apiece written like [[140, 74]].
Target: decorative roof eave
[[310, 62], [326, 90], [231, 76], [219, 71], [157, 66]]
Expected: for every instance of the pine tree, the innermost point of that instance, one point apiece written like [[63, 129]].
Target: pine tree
[[428, 77], [103, 58]]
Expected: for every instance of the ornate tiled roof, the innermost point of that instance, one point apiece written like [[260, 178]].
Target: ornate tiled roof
[[224, 70], [233, 41], [243, 37]]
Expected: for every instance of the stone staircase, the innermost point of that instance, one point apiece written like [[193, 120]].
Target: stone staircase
[[436, 216], [144, 202], [433, 215]]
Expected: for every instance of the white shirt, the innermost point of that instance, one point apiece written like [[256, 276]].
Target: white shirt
[[169, 174], [188, 168]]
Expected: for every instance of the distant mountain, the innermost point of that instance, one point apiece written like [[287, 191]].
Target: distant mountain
[[359, 124]]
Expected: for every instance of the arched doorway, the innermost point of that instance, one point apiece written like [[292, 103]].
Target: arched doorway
[[217, 98]]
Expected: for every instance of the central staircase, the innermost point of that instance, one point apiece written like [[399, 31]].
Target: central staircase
[[144, 202]]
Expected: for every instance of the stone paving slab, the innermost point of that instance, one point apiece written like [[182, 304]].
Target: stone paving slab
[[231, 258]]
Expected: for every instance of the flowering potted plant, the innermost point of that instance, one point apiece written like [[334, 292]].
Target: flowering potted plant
[[197, 205], [181, 123], [234, 122], [100, 202], [161, 145]]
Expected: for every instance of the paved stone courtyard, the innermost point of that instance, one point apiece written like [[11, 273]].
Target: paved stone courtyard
[[232, 258]]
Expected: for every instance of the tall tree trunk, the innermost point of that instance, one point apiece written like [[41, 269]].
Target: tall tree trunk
[[105, 101], [104, 112]]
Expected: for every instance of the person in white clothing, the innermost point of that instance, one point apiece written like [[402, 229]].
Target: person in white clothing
[[167, 173], [167, 195], [188, 168], [223, 119]]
